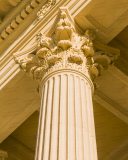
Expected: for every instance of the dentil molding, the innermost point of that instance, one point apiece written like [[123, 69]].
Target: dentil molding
[[23, 14]]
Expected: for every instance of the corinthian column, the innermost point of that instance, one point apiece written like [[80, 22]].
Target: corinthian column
[[66, 65]]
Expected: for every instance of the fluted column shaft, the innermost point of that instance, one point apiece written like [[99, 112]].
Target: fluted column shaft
[[66, 124]]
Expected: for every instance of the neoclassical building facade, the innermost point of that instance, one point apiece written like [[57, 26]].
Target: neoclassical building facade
[[64, 84]]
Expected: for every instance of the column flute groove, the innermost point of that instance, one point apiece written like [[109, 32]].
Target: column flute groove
[[46, 142], [50, 137], [75, 119], [39, 125], [93, 131], [45, 116], [72, 130], [81, 119], [59, 119], [67, 136], [85, 121], [42, 130]]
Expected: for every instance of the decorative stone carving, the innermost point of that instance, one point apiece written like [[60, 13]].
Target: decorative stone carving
[[45, 8], [25, 62], [65, 48], [104, 58]]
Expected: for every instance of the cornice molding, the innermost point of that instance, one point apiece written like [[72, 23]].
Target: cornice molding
[[22, 15], [12, 14]]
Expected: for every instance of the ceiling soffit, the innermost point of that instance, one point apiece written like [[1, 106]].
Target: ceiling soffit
[[120, 151], [112, 92], [111, 131], [121, 41], [116, 11], [107, 18]]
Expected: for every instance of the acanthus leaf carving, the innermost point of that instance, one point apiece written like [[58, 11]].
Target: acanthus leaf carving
[[27, 61], [105, 59], [66, 48]]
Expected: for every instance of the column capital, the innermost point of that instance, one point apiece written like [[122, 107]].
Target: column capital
[[64, 46]]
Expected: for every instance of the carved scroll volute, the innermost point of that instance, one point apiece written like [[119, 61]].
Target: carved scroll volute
[[66, 48]]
